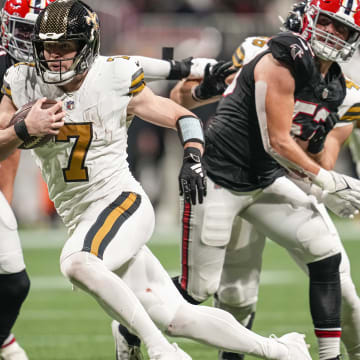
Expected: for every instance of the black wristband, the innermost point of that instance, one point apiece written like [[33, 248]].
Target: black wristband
[[179, 69], [22, 132]]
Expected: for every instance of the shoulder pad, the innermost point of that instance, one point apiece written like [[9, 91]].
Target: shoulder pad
[[349, 110], [248, 49], [9, 76], [15, 78], [123, 68], [294, 52]]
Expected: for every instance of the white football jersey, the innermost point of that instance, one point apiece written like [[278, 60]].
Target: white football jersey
[[87, 161]]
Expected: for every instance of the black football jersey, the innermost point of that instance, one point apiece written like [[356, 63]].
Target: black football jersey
[[235, 157]]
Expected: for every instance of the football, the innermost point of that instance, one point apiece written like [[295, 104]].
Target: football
[[21, 114]]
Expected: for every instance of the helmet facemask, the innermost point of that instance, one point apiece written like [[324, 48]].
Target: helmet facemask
[[329, 46], [16, 36], [80, 62], [18, 18]]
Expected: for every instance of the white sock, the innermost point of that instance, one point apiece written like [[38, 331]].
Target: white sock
[[9, 340], [328, 347]]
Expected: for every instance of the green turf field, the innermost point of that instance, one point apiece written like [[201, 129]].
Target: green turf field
[[57, 323]]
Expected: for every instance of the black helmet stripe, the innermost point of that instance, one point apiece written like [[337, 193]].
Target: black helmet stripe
[[54, 20], [349, 7]]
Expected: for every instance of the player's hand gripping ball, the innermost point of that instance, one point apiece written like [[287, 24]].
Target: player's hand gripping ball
[[20, 115]]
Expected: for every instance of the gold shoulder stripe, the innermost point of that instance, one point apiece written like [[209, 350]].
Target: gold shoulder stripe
[[137, 82], [31, 64], [138, 89], [350, 84], [5, 90], [238, 57], [113, 58], [352, 114]]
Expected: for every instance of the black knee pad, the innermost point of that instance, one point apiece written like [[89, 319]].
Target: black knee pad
[[184, 293], [13, 291], [325, 292]]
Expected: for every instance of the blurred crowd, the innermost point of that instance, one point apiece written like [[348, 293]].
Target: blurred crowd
[[195, 6]]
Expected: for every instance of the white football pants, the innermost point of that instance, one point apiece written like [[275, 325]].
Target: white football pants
[[230, 263], [107, 257], [11, 256]]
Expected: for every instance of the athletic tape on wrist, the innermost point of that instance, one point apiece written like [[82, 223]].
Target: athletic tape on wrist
[[190, 129], [325, 180]]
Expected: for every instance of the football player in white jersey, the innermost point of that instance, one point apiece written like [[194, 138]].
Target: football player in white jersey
[[108, 215]]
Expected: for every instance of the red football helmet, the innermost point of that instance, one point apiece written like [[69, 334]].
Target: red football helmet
[[329, 46], [17, 24]]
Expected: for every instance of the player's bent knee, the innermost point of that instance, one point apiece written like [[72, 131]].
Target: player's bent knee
[[237, 296], [184, 293], [79, 269], [326, 269], [201, 291], [198, 290], [163, 316], [240, 311], [181, 320], [316, 240]]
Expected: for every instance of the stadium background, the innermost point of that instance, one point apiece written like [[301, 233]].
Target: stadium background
[[57, 323]]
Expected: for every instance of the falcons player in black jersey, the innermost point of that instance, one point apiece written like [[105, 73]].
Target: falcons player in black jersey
[[17, 23], [237, 291], [287, 92]]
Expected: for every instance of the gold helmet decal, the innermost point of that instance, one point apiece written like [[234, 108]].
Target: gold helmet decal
[[92, 19]]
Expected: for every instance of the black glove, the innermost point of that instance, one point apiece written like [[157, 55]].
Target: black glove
[[213, 83], [180, 69], [316, 143], [192, 177]]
